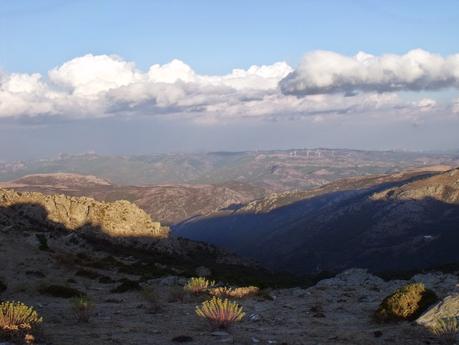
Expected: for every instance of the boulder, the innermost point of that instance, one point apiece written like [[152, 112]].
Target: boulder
[[448, 307]]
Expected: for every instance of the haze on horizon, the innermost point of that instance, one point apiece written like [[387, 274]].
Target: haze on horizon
[[139, 77]]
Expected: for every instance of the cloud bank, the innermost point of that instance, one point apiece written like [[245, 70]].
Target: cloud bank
[[106, 85], [325, 72]]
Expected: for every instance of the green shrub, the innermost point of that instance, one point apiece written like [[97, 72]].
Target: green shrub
[[82, 308], [406, 303], [198, 285], [17, 320], [60, 291]]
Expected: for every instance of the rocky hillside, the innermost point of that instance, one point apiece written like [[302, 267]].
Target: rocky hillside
[[399, 222], [82, 225], [168, 204]]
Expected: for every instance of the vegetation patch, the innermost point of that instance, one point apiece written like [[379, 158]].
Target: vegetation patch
[[238, 292], [82, 308], [60, 291], [221, 313], [406, 303], [18, 321], [198, 285]]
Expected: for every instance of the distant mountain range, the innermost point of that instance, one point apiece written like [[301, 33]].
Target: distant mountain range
[[396, 222], [272, 171]]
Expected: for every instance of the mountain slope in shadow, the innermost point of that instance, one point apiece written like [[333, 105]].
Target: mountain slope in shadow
[[400, 222]]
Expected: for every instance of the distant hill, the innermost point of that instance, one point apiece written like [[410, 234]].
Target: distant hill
[[395, 222], [273, 171], [167, 203]]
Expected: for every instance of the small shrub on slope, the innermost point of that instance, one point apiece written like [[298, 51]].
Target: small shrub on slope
[[406, 303], [198, 285], [82, 308], [17, 320], [221, 313]]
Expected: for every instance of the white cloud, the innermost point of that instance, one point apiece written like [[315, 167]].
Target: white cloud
[[88, 75], [323, 72], [103, 85]]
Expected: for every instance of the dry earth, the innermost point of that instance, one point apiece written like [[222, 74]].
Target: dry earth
[[334, 311]]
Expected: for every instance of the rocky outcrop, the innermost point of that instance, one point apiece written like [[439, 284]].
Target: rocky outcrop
[[115, 219], [447, 308]]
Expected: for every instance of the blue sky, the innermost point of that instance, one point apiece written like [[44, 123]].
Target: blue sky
[[216, 36], [165, 71]]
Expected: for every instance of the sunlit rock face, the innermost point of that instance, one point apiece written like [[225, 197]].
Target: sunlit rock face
[[114, 219]]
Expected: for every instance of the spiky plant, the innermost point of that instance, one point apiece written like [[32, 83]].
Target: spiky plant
[[221, 291], [239, 292], [17, 318], [197, 285], [446, 328], [82, 307], [221, 313]]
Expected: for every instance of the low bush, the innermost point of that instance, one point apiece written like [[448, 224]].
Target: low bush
[[406, 303], [18, 321], [221, 313], [82, 308], [198, 285]]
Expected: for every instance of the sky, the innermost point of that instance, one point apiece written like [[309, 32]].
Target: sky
[[139, 77]]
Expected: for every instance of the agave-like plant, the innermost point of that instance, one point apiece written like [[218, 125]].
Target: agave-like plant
[[239, 292], [16, 317], [447, 328], [221, 313], [197, 285]]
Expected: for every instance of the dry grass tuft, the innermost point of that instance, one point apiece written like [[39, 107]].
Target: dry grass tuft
[[198, 285], [221, 313], [446, 328], [18, 320], [240, 292]]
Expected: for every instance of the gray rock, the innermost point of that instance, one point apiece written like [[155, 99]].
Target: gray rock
[[448, 307], [203, 271]]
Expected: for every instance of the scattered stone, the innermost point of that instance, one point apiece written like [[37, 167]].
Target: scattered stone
[[255, 340], [203, 271], [182, 339], [377, 334], [254, 317], [220, 334]]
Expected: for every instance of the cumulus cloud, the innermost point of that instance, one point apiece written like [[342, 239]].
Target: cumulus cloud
[[326, 72], [105, 85]]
